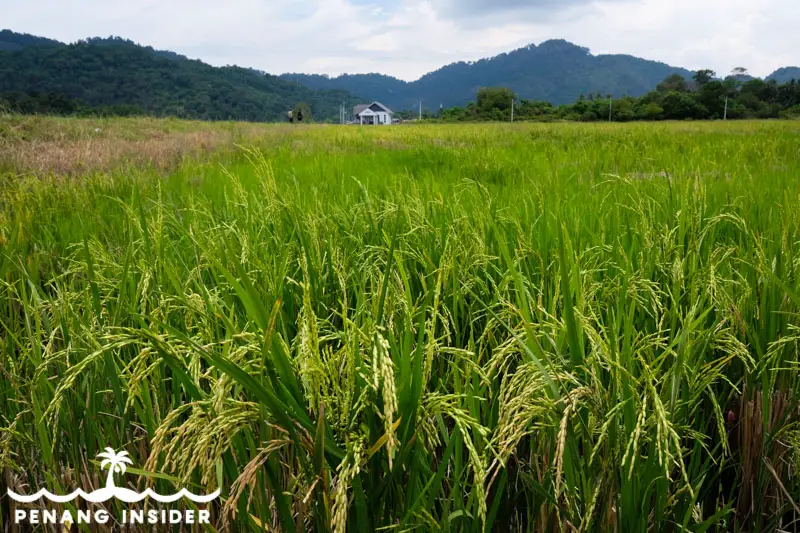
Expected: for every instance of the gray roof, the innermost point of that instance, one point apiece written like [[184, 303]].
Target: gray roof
[[374, 106], [378, 104]]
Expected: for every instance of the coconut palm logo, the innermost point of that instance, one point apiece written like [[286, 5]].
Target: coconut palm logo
[[116, 463]]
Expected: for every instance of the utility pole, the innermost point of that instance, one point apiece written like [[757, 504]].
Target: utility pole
[[610, 101], [512, 110], [420, 110], [725, 117]]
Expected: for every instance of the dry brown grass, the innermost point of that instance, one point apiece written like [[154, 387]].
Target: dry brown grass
[[58, 146], [771, 449]]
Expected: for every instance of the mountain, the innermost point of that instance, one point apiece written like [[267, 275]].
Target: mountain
[[785, 75], [16, 41], [113, 72], [556, 71], [740, 78], [387, 89], [120, 76]]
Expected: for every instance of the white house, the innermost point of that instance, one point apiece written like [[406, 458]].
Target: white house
[[375, 113]]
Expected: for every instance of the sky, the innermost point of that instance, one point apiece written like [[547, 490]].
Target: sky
[[409, 38]]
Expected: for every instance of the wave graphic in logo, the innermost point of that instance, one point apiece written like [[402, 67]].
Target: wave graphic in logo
[[115, 462], [122, 494]]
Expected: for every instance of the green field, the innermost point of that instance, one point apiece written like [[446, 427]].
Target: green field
[[460, 328]]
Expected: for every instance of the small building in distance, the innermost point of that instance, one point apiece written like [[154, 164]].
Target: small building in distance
[[374, 114]]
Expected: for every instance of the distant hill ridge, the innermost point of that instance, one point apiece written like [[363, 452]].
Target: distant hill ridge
[[556, 71], [117, 72], [785, 74], [17, 41]]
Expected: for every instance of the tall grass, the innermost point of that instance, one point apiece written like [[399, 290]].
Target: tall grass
[[472, 328]]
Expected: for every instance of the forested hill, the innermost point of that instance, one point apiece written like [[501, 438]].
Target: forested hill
[[117, 76], [555, 71], [122, 76], [10, 40], [785, 74]]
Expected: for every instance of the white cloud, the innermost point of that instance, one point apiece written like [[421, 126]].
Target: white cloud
[[718, 34], [409, 38]]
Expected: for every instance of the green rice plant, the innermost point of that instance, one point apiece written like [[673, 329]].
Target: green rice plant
[[436, 328]]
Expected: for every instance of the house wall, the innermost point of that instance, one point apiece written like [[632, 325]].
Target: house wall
[[382, 118]]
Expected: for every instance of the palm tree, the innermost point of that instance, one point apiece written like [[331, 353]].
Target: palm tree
[[117, 462]]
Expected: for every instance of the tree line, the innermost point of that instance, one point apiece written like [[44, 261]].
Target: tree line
[[51, 103], [704, 97]]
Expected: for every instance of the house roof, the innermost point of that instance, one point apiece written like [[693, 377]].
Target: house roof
[[380, 105], [374, 106]]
